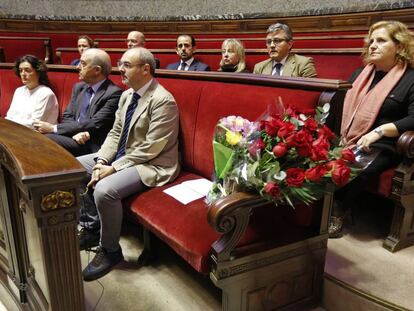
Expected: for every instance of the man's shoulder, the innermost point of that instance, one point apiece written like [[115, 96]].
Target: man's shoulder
[[199, 64], [300, 58], [110, 85], [173, 65], [160, 91], [263, 63]]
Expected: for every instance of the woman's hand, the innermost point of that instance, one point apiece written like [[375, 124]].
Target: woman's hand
[[365, 141]]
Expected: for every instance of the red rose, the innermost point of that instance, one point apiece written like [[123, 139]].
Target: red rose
[[311, 125], [340, 172], [271, 125], [272, 189], [295, 177], [279, 150], [320, 148], [285, 129], [348, 155], [315, 173], [325, 131], [299, 138], [256, 147], [304, 150]]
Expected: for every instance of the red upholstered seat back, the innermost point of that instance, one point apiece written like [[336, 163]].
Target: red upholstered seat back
[[8, 83], [15, 48], [200, 111]]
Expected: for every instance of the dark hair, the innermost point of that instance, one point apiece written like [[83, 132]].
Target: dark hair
[[281, 26], [38, 65], [90, 41], [193, 41]]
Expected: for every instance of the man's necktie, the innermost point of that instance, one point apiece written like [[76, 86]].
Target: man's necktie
[[128, 116], [276, 69], [182, 66], [83, 109]]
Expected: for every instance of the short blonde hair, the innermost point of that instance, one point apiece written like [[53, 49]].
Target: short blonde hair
[[400, 34], [238, 46]]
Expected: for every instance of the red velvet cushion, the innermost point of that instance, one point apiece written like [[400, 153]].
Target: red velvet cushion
[[185, 228], [382, 185], [15, 48], [8, 82]]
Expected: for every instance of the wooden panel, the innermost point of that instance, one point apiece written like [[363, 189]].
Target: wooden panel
[[335, 22]]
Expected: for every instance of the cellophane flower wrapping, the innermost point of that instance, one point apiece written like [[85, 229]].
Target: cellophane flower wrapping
[[288, 156]]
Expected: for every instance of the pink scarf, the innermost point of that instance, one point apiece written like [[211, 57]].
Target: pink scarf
[[361, 107]]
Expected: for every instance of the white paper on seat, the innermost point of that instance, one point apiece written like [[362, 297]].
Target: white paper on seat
[[189, 190]]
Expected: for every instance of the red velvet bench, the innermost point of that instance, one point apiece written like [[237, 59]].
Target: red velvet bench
[[262, 257]]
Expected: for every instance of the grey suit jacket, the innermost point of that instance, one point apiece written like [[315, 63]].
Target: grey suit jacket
[[295, 66], [195, 66], [152, 142]]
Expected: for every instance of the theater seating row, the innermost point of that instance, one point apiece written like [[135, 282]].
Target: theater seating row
[[326, 60]]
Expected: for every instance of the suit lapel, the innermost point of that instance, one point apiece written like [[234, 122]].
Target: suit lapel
[[289, 66], [143, 102], [268, 67], [193, 66], [101, 91]]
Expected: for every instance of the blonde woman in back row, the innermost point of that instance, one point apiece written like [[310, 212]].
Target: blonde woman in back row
[[232, 56]]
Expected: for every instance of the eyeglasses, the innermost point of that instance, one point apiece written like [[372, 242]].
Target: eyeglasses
[[275, 41], [127, 65]]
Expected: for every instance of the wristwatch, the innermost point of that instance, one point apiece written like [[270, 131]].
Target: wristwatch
[[378, 130]]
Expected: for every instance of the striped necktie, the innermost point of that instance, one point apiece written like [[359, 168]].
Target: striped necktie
[[128, 116]]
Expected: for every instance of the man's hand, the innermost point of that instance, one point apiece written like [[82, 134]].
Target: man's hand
[[43, 127], [99, 172], [81, 138]]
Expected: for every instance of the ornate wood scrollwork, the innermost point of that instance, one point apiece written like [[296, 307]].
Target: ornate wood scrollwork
[[57, 199]]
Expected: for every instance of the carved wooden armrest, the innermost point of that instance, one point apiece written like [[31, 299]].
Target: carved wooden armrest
[[405, 144], [230, 216]]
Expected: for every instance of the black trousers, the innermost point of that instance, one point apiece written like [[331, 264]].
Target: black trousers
[[71, 145], [347, 196]]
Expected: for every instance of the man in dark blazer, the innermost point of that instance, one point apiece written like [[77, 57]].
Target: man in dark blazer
[[91, 111], [140, 151], [186, 47]]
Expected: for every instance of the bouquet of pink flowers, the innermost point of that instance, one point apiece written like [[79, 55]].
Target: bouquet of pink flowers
[[287, 156]]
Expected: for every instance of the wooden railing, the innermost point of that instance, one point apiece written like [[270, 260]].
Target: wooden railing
[[39, 207]]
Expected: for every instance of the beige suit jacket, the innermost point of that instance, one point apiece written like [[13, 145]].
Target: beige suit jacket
[[295, 66], [152, 142]]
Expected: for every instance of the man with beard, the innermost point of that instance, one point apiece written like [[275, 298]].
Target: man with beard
[[186, 47], [140, 151], [282, 62]]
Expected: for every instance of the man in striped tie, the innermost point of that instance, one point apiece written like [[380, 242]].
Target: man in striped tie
[[140, 151]]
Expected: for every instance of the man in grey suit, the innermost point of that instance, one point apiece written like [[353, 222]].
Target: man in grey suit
[[140, 151], [91, 111], [186, 46], [282, 62]]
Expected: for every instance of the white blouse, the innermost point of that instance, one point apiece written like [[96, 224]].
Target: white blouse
[[38, 104]]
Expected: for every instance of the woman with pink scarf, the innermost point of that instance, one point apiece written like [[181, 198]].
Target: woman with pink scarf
[[378, 108]]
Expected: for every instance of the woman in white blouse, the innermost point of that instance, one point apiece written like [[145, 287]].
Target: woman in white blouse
[[34, 100]]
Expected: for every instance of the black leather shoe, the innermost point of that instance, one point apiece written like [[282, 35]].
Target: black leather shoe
[[101, 264], [88, 238]]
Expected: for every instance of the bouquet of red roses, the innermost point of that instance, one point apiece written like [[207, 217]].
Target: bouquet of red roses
[[289, 155]]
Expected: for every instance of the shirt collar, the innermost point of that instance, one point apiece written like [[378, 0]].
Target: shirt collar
[[188, 62], [97, 85], [142, 90], [283, 61]]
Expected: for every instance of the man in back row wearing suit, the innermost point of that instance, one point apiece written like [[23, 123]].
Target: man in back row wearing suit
[[186, 47], [91, 111], [140, 151], [282, 62]]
